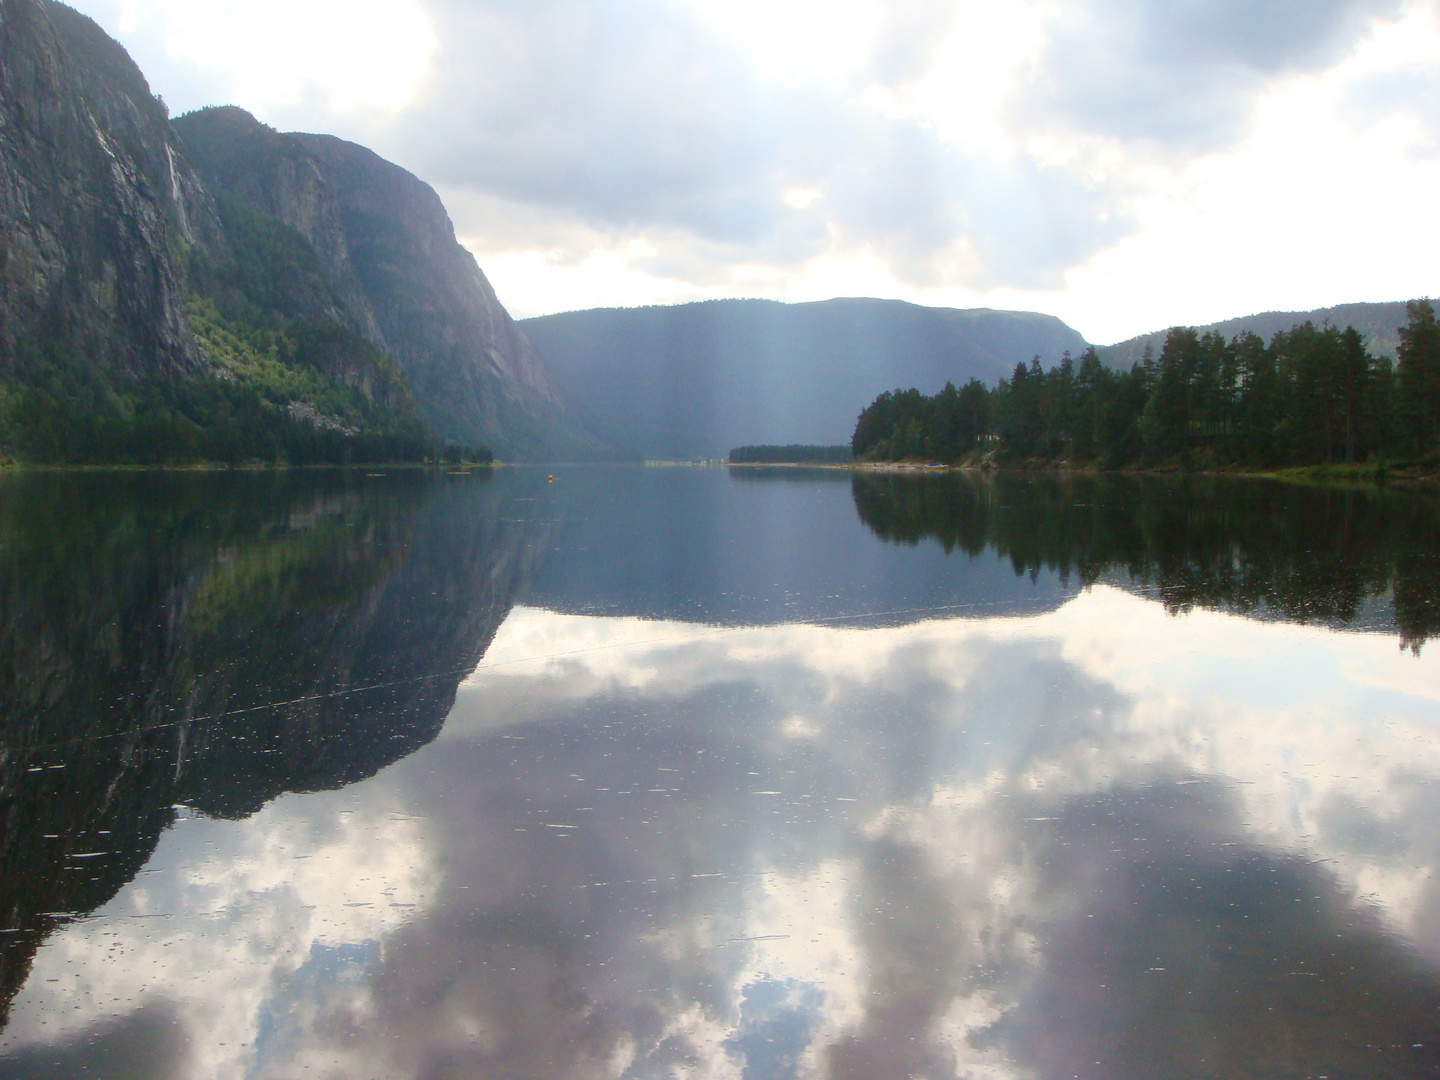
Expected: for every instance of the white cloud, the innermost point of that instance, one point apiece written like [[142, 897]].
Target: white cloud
[[281, 58], [224, 916], [1208, 695]]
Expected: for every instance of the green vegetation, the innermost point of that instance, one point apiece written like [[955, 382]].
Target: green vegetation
[[1313, 396], [58, 409], [269, 399], [281, 389], [791, 455]]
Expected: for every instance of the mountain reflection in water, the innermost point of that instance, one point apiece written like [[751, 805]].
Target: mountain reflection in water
[[1070, 836], [149, 625]]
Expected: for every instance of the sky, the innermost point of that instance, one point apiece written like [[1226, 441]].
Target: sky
[[1123, 164]]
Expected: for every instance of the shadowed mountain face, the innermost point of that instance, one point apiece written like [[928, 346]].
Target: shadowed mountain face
[[1380, 323], [1341, 558], [89, 198], [393, 273], [216, 642], [254, 281], [700, 379]]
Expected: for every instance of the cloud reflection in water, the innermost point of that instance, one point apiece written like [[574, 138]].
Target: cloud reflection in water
[[1102, 842]]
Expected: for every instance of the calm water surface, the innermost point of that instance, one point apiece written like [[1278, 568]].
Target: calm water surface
[[685, 773]]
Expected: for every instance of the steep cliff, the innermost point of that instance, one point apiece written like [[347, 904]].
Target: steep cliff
[[393, 273], [296, 298], [91, 199]]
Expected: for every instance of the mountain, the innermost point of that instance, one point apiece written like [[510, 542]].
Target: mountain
[[90, 198], [696, 380], [210, 288], [395, 273], [1380, 323]]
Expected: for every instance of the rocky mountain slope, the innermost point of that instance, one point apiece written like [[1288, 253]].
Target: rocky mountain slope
[[699, 379], [393, 273], [210, 288], [90, 198]]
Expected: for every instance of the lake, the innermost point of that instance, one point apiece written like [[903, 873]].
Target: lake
[[752, 774]]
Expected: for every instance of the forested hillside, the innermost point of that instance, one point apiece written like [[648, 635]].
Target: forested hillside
[[790, 455], [1311, 395]]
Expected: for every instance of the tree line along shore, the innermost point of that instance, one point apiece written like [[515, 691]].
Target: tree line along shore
[[1311, 396]]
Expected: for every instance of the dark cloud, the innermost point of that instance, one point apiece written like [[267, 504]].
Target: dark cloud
[[1184, 73], [625, 114], [601, 861], [570, 126], [1174, 947], [636, 117], [612, 853], [1150, 936], [148, 1044]]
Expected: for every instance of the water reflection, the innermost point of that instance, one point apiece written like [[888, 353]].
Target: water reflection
[[748, 547], [1093, 839], [1314, 555], [1056, 846], [150, 625]]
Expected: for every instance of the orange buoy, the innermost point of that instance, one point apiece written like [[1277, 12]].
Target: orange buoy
[[552, 479]]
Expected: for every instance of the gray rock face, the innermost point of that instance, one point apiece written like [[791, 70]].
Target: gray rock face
[[91, 195], [112, 217], [397, 275]]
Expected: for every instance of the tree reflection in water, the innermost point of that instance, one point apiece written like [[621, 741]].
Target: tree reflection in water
[[1303, 554]]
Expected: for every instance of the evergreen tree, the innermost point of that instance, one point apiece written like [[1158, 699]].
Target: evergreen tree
[[1418, 371], [1313, 395]]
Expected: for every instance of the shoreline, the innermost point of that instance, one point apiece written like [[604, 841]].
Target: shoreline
[[13, 468], [1329, 475]]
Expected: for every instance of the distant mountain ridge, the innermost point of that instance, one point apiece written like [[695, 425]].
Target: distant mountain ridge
[[694, 380], [1379, 323]]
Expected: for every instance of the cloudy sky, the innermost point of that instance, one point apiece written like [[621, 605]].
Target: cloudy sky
[[1123, 164]]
